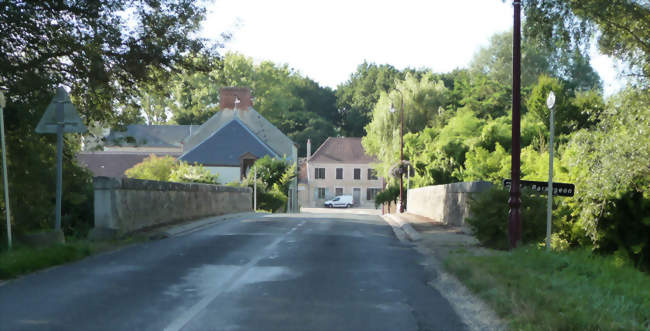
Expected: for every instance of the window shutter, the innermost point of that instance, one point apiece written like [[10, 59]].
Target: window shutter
[[368, 193]]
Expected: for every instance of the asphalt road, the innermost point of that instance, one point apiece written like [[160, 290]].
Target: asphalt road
[[276, 272]]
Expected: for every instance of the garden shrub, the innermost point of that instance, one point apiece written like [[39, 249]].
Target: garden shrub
[[168, 169], [185, 173]]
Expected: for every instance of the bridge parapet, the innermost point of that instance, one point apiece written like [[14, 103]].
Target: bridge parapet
[[124, 205], [447, 203]]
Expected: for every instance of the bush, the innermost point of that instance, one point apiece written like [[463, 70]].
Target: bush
[[625, 230], [168, 169], [185, 173], [489, 220], [153, 168], [388, 195], [272, 200]]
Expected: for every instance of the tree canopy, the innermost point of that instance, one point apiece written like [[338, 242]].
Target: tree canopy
[[102, 50], [621, 28]]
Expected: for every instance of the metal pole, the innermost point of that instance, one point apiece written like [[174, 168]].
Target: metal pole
[[255, 189], [408, 178], [401, 157], [59, 161], [549, 208], [4, 169], [514, 224]]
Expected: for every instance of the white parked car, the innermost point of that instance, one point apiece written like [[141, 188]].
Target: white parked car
[[340, 201]]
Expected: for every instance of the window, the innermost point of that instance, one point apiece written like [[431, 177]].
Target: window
[[321, 193], [339, 173], [339, 191], [320, 173], [372, 174], [371, 193], [357, 173]]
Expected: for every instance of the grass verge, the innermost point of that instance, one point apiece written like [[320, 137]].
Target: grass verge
[[532, 289], [22, 259]]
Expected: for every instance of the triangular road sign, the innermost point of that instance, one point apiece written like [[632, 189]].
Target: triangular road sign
[[71, 120]]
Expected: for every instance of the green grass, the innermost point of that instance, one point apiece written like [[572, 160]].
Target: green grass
[[537, 290], [22, 259]]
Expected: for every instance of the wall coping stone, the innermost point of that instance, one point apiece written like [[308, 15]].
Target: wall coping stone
[[460, 187], [109, 183]]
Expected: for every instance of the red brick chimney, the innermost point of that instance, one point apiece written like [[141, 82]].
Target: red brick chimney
[[228, 96]]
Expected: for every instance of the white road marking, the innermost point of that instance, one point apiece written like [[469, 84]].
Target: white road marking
[[189, 314]]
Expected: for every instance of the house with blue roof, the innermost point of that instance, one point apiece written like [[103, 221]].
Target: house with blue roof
[[227, 144]]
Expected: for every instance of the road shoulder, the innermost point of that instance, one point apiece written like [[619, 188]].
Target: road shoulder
[[436, 241]]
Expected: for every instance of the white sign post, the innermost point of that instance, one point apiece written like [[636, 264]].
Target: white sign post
[[4, 167], [255, 189], [60, 116], [550, 102]]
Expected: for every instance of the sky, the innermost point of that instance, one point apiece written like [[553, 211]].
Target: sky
[[327, 40]]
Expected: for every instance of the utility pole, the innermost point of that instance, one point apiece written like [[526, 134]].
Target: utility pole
[[401, 151], [514, 222], [4, 168]]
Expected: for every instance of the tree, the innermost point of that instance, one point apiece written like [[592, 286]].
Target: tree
[[572, 112], [621, 28], [495, 61], [273, 179], [298, 106], [610, 169], [357, 97], [424, 101], [102, 55]]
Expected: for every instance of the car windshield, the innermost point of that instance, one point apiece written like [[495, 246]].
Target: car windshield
[[336, 199]]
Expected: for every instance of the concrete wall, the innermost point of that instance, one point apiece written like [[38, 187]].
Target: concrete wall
[[124, 205], [444, 203]]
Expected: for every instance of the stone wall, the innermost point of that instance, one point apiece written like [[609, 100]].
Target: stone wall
[[124, 205], [444, 203]]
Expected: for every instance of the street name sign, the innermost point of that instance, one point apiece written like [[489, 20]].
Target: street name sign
[[559, 189]]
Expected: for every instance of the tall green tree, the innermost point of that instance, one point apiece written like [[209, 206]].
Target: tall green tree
[[357, 97], [424, 100], [297, 105], [621, 28], [571, 65], [101, 54]]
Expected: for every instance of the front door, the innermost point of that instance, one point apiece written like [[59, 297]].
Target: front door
[[356, 195]]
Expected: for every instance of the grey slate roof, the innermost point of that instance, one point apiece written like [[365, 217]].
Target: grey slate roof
[[225, 146], [341, 150], [151, 135], [113, 164], [256, 123]]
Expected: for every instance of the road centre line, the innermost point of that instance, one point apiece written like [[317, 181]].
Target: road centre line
[[189, 314]]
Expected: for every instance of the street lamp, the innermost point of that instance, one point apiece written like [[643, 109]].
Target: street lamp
[[514, 222], [401, 150]]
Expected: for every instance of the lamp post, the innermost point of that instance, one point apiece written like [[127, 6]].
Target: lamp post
[[514, 222], [550, 103], [401, 150]]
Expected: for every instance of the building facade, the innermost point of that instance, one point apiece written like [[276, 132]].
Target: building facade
[[339, 166], [227, 144]]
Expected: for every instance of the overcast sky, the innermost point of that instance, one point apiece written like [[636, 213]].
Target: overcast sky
[[327, 40]]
